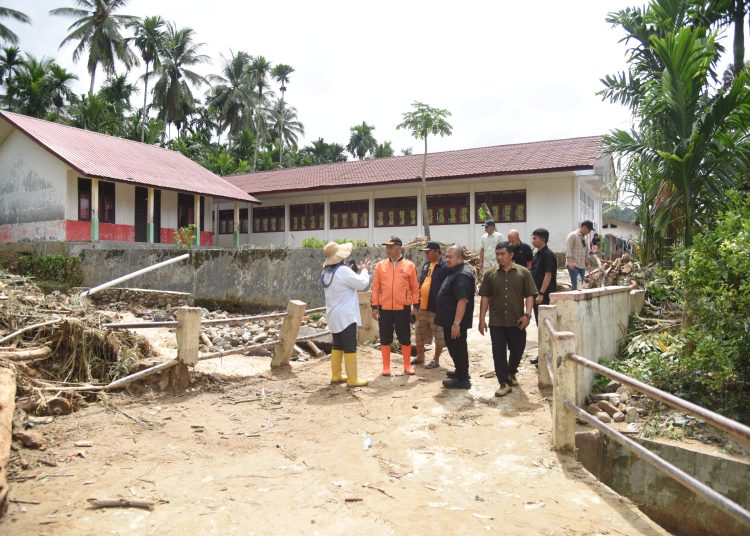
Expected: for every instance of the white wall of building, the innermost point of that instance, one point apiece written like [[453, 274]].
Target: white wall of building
[[552, 201]]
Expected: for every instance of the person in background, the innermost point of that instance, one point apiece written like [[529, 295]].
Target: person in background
[[543, 269], [431, 277], [455, 309], [395, 295], [577, 253], [595, 244], [340, 287], [522, 254], [508, 292], [489, 240]]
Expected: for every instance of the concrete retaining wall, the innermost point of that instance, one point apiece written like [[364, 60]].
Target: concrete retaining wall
[[665, 501]]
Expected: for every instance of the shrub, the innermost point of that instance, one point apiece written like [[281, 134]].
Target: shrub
[[184, 237], [65, 271]]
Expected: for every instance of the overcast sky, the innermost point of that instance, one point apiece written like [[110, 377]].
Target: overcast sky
[[508, 72]]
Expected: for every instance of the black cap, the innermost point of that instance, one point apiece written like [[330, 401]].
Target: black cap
[[488, 223], [431, 245], [394, 240], [589, 224]]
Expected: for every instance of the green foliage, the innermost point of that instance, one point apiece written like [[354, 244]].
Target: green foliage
[[65, 271], [484, 214], [184, 237], [708, 360], [316, 316], [317, 243]]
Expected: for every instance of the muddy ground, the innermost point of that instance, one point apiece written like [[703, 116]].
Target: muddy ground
[[251, 451]]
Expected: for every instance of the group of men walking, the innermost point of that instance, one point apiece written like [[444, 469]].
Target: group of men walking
[[439, 299]]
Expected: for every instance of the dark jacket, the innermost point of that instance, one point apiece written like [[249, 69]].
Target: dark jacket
[[438, 276], [459, 283]]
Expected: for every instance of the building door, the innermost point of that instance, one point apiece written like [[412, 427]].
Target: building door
[[141, 213]]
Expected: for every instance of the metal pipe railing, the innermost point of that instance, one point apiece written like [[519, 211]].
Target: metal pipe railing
[[215, 321], [719, 421], [675, 473]]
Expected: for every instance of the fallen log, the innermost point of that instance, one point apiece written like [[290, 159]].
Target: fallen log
[[27, 328], [27, 354], [7, 407]]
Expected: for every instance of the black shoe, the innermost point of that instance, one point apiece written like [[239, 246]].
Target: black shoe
[[455, 383], [452, 374]]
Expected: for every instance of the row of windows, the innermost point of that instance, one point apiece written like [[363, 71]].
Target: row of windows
[[450, 209]]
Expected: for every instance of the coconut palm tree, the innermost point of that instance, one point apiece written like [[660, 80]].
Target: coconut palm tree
[[97, 29], [41, 85], [260, 69], [422, 121], [148, 39], [172, 93], [7, 13], [281, 74], [362, 142], [383, 150], [283, 125], [233, 96]]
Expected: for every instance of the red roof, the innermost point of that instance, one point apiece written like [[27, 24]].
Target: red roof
[[542, 156], [107, 157]]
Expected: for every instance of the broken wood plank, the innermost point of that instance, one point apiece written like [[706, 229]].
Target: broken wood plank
[[121, 503], [26, 354]]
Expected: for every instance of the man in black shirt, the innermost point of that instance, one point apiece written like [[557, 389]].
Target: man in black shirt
[[522, 253], [543, 269], [455, 309]]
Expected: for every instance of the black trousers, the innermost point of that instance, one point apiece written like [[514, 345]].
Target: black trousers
[[459, 352], [545, 301], [401, 320], [504, 339], [346, 340]]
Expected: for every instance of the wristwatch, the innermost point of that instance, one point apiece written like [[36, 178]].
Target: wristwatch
[[527, 315]]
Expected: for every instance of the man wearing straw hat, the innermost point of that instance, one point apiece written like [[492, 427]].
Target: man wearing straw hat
[[340, 286]]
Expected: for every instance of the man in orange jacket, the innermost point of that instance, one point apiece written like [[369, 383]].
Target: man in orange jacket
[[395, 296]]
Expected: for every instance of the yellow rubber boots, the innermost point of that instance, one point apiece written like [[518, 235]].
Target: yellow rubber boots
[[336, 357], [350, 359]]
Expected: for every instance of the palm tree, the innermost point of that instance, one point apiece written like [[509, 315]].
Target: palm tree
[[97, 29], [324, 153], [281, 74], [422, 121], [5, 32], [59, 80], [260, 69], [149, 39], [362, 142], [383, 150], [689, 142], [40, 85], [172, 93], [234, 96], [117, 91], [10, 63], [283, 125], [94, 113]]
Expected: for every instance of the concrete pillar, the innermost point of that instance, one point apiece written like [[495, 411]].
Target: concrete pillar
[[289, 331], [197, 218], [544, 344], [563, 422], [236, 233], [94, 209], [150, 217]]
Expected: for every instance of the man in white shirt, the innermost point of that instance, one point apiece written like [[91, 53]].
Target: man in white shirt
[[577, 253], [340, 286], [490, 239]]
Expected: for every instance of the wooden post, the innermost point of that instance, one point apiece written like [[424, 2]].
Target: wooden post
[[197, 218], [95, 209], [236, 219], [7, 406], [544, 344], [289, 331], [368, 331], [188, 338], [563, 422], [150, 216]]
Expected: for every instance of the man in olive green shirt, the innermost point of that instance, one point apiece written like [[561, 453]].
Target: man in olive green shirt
[[508, 291]]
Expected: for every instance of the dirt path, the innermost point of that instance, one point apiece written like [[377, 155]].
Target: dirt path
[[283, 453]]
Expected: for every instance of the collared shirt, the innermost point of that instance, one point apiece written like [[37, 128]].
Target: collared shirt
[[342, 303], [489, 241], [507, 291], [458, 284], [544, 262], [576, 249]]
